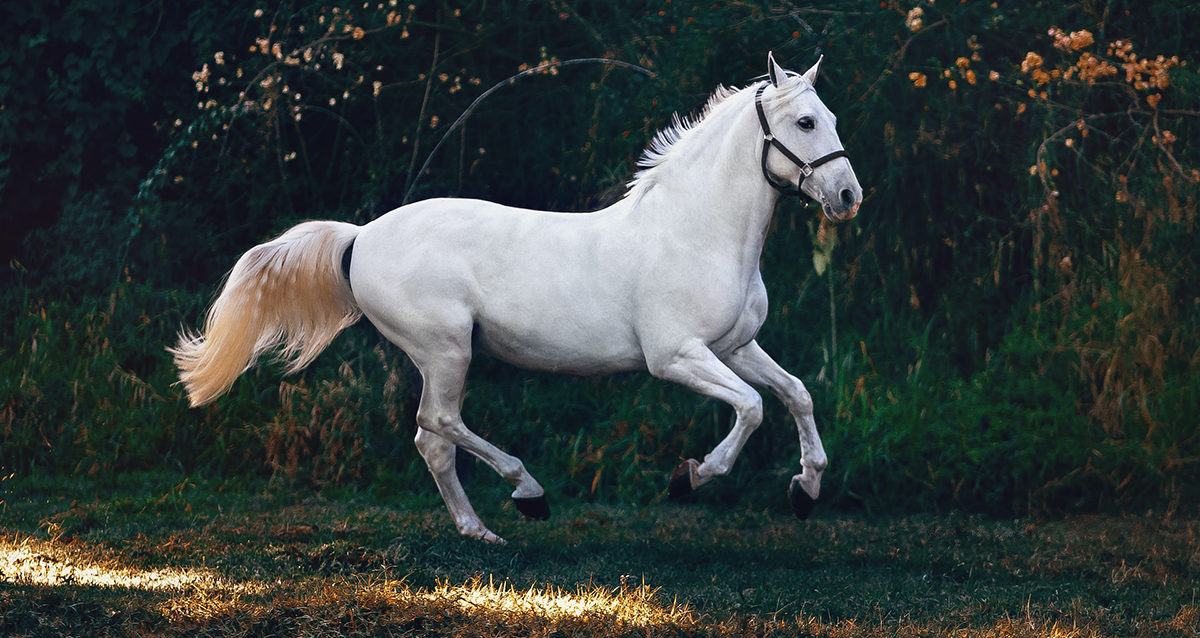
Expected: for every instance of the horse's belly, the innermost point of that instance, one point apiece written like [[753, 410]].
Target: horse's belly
[[581, 350]]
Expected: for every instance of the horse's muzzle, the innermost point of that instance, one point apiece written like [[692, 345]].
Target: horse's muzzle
[[844, 210]]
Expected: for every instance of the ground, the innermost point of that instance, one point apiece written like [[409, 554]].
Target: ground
[[181, 557]]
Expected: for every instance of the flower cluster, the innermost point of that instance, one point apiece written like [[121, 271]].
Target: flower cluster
[[961, 70], [1089, 71], [201, 79], [1074, 41], [964, 66], [1143, 74], [331, 54], [1090, 68], [914, 20], [547, 65], [278, 47]]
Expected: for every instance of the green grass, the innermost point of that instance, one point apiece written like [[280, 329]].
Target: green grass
[[169, 555]]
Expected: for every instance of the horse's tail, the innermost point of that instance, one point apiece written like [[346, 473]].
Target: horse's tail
[[287, 295]]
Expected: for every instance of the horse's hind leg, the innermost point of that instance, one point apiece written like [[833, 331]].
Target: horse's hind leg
[[756, 366], [439, 456], [443, 365]]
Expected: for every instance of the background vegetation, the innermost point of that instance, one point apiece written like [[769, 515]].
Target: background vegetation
[[1010, 326]]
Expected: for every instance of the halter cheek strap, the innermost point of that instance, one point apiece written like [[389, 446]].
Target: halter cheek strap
[[806, 168]]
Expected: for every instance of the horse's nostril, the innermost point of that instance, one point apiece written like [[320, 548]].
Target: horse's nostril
[[847, 198]]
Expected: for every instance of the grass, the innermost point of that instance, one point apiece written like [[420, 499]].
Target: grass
[[163, 555]]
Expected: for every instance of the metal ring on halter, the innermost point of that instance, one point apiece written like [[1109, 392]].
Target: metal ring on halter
[[806, 168]]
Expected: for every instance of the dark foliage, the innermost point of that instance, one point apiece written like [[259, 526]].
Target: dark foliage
[[1009, 325]]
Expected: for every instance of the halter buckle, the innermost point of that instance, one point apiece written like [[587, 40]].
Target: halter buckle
[[768, 137], [806, 170]]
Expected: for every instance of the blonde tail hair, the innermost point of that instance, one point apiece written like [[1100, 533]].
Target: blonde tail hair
[[287, 295]]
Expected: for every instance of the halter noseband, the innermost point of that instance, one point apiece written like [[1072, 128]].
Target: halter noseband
[[806, 168]]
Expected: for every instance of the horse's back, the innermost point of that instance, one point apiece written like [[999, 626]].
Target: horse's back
[[542, 290]]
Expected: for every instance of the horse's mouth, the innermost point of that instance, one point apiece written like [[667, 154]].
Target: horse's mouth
[[834, 216]]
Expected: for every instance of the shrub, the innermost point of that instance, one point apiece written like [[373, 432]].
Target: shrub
[[1008, 326]]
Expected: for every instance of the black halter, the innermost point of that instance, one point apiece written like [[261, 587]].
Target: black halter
[[806, 168]]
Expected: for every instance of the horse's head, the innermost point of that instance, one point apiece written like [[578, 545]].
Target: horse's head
[[802, 145]]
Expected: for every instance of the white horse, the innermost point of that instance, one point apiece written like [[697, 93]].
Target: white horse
[[665, 280]]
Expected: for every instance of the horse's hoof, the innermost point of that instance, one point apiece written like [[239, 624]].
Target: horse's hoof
[[681, 480], [491, 539], [802, 503], [482, 534], [536, 508]]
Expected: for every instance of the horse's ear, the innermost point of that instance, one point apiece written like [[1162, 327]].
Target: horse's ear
[[811, 74], [774, 71]]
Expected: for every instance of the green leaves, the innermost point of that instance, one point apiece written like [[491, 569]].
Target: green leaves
[[998, 318]]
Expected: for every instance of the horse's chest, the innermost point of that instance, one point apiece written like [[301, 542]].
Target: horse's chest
[[744, 325], [725, 310]]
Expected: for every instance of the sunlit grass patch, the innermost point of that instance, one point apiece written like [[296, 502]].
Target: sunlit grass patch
[[616, 608], [478, 606], [30, 561], [193, 593], [481, 607], [200, 598]]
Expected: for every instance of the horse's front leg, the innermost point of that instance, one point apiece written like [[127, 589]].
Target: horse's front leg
[[757, 367], [696, 367]]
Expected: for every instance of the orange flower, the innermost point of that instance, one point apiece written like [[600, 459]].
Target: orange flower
[[913, 19], [1031, 61]]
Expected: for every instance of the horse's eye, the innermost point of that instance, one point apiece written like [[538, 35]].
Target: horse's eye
[[806, 123]]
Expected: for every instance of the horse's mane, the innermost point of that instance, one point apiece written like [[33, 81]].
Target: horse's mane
[[660, 149]]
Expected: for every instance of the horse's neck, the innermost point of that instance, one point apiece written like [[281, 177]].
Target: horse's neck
[[713, 191]]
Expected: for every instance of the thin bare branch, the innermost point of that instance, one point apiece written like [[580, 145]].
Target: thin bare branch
[[541, 68]]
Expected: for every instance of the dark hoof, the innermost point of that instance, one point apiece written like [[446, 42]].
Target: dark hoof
[[681, 481], [802, 503], [536, 508]]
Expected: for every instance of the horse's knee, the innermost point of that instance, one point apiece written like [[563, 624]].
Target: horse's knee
[[798, 397], [429, 442], [804, 402], [443, 424], [437, 452], [750, 413], [427, 419]]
